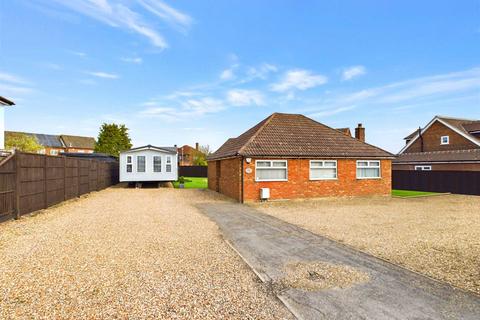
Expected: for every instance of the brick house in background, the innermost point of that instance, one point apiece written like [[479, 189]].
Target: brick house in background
[[444, 144], [297, 157], [78, 144], [54, 145], [187, 154]]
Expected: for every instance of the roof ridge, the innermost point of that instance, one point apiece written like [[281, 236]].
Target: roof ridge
[[267, 121], [454, 118]]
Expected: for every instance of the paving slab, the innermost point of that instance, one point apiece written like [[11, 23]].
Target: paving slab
[[268, 244]]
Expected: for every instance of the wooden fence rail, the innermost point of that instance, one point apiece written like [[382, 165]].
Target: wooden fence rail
[[30, 182], [459, 182], [193, 171]]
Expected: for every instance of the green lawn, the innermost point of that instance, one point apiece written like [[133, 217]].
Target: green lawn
[[194, 183], [411, 193]]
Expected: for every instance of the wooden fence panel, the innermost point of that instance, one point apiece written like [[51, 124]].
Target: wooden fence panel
[[193, 171], [29, 182], [459, 182], [7, 187]]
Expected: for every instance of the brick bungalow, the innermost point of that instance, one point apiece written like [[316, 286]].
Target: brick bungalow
[[297, 157]]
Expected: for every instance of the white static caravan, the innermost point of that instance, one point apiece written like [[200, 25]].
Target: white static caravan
[[149, 163]]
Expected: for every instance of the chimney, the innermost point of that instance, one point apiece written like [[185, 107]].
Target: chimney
[[196, 146], [360, 132]]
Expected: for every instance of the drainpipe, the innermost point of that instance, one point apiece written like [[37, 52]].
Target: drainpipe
[[241, 168], [421, 138]]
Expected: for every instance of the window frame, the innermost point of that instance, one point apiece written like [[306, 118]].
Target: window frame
[[168, 162], [271, 162], [367, 167], [129, 163], [323, 167], [160, 157], [444, 143], [144, 164], [423, 168]]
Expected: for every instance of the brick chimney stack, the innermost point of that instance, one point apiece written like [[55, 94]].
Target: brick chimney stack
[[360, 132], [196, 146]]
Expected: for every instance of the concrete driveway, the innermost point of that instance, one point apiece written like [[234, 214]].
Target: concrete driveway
[[268, 244]]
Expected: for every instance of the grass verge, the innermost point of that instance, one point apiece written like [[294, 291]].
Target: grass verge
[[193, 183], [411, 193]]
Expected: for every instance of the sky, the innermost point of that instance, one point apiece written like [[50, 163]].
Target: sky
[[180, 72]]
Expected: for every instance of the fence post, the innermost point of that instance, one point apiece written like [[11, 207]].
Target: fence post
[[64, 178], [17, 186], [45, 181]]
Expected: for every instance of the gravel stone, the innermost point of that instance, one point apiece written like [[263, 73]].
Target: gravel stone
[[127, 253], [437, 236]]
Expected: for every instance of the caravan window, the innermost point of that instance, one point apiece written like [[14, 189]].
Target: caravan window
[[140, 163], [129, 163], [169, 164], [157, 164]]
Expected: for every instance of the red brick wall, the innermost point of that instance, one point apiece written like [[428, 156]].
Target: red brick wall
[[431, 140], [226, 177], [299, 185], [442, 166]]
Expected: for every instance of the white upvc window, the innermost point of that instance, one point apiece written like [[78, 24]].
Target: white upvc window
[[129, 163], [444, 140], [271, 170], [54, 152], [140, 163], [323, 169], [169, 164], [423, 168], [368, 169], [157, 163]]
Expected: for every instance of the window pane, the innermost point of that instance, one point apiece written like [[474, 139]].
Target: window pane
[[129, 159], [330, 164], [129, 168], [263, 164], [157, 164], [141, 164], [168, 168], [368, 172], [316, 164], [323, 173], [272, 174], [362, 163], [281, 164], [374, 163]]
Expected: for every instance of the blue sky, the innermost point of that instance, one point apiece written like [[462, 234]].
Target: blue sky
[[177, 72]]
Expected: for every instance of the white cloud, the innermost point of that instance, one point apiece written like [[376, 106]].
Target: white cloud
[[135, 60], [8, 77], [227, 74], [167, 13], [261, 72], [78, 53], [241, 97], [299, 79], [101, 74], [119, 14], [353, 72], [203, 106]]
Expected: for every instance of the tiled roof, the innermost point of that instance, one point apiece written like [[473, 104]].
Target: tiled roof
[[440, 156], [6, 102], [78, 142], [466, 126], [345, 131], [295, 135]]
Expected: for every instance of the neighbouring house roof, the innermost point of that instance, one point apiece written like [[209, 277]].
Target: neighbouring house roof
[[172, 150], [345, 131], [464, 127], [78, 142], [187, 149], [96, 155], [5, 102], [471, 155], [46, 140], [295, 135]]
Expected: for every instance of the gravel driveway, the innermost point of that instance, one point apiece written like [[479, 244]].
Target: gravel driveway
[[127, 253]]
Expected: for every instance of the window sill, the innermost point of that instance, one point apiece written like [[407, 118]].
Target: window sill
[[373, 178], [325, 179], [281, 180]]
